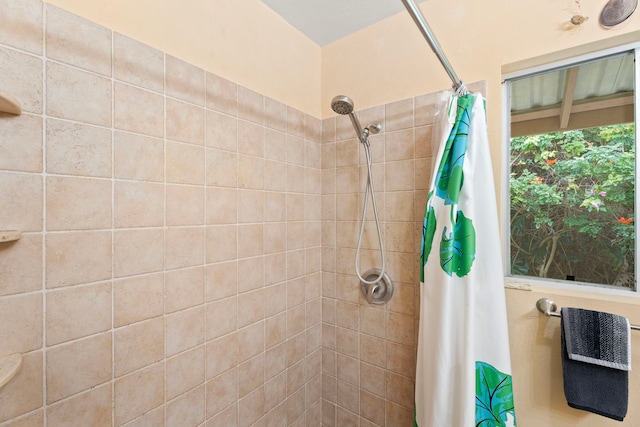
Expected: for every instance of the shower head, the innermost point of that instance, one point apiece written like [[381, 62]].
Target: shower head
[[342, 104]]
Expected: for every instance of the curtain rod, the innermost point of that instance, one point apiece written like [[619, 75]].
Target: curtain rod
[[548, 307], [418, 18]]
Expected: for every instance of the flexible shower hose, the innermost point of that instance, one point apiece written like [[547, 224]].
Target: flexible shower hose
[[369, 188]]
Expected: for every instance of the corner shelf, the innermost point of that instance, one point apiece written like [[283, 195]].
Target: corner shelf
[[9, 104], [9, 235], [9, 367]]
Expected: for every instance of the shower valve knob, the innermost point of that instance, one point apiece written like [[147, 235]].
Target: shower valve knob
[[380, 291]]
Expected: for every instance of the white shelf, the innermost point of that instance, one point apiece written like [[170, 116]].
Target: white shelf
[[9, 236], [9, 104], [9, 367]]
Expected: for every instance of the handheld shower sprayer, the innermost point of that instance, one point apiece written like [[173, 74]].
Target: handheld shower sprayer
[[376, 284], [343, 105]]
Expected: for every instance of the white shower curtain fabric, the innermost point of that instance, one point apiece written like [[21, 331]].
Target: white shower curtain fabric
[[463, 373]]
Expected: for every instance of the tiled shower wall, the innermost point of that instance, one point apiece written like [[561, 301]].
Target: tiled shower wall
[[169, 271], [369, 351]]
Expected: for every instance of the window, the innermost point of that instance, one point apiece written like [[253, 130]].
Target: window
[[571, 192]]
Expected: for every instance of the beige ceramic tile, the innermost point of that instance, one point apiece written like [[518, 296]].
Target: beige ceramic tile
[[251, 274], [250, 375], [30, 420], [226, 417], [184, 81], [184, 288], [185, 205], [295, 178], [372, 379], [399, 175], [295, 122], [399, 115], [251, 138], [90, 408], [295, 349], [21, 265], [77, 95], [78, 366], [275, 207], [138, 110], [221, 243], [250, 206], [250, 341], [138, 157], [295, 152], [295, 407], [222, 355], [77, 149], [221, 168], [185, 163], [185, 371], [250, 105], [154, 417], [22, 79], [138, 204], [399, 145], [275, 144], [372, 408], [20, 324], [400, 329], [275, 268], [23, 192], [137, 298], [21, 143], [424, 141], [24, 392], [78, 203], [251, 172], [250, 240], [275, 114], [423, 174], [138, 345], [400, 390], [77, 312], [138, 251], [185, 122], [184, 330], [77, 41], [295, 264], [399, 205], [348, 369], [77, 257], [276, 176], [275, 391], [221, 94], [222, 131], [250, 307], [137, 63], [426, 108], [221, 392], [138, 393], [22, 24], [221, 280], [221, 317], [275, 361], [251, 407], [184, 247], [275, 330], [401, 359], [187, 409], [222, 205]]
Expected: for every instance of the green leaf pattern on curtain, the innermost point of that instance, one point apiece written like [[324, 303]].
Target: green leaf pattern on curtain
[[494, 397], [458, 248]]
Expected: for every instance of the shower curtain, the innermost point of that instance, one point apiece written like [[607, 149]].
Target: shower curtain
[[463, 373]]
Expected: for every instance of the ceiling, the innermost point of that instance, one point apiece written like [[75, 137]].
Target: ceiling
[[325, 21]]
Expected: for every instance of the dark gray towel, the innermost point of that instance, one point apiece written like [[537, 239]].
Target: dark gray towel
[[592, 387]]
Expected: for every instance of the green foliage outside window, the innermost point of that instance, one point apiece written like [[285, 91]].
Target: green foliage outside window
[[572, 205]]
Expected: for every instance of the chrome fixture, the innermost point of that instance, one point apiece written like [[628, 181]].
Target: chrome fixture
[[377, 286]]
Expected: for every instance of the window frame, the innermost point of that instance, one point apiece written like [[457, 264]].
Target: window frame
[[545, 66]]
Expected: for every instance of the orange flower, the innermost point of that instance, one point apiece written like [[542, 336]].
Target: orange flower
[[538, 180], [551, 161], [623, 220]]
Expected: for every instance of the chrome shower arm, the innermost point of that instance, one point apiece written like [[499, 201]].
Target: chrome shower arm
[[418, 18]]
